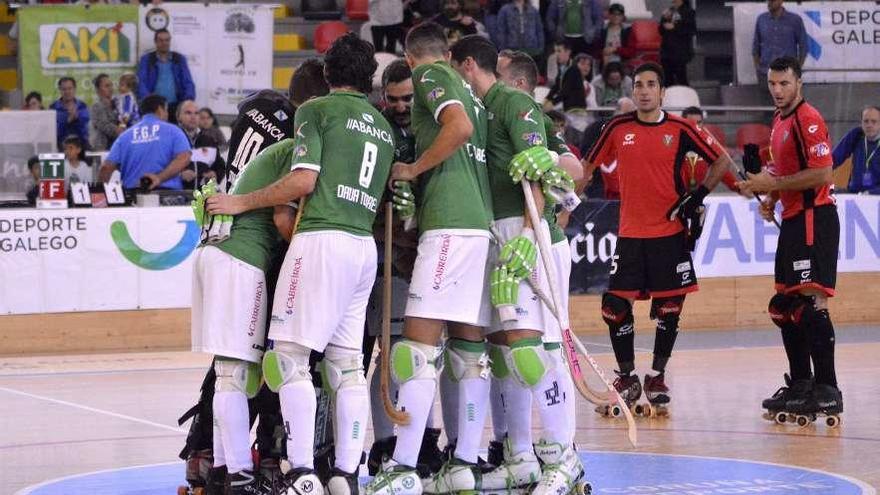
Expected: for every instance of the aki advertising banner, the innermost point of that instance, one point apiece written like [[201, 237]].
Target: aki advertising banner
[[78, 41], [843, 40], [98, 259], [228, 47], [25, 134], [736, 241]]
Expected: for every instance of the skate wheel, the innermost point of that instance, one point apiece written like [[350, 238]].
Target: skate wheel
[[639, 410], [832, 421], [803, 421], [781, 418], [582, 488], [182, 490], [616, 411]]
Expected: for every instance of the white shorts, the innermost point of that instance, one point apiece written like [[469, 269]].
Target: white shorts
[[449, 280], [529, 308], [562, 261], [228, 306], [399, 291], [323, 288]]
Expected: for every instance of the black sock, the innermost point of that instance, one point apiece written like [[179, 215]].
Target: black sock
[[796, 341], [623, 341], [664, 341], [822, 349]]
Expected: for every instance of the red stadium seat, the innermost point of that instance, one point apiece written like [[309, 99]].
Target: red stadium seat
[[327, 32], [645, 36], [752, 133], [716, 132], [356, 10]]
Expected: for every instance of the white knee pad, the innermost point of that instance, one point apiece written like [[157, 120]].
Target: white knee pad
[[286, 363], [235, 375], [528, 361], [411, 360], [342, 368], [465, 359]]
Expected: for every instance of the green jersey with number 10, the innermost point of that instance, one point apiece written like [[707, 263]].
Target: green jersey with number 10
[[350, 144], [454, 194]]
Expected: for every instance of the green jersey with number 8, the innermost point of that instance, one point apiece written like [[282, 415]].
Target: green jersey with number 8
[[350, 144], [455, 194]]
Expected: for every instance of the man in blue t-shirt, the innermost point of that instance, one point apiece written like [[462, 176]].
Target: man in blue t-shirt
[[862, 144], [153, 148]]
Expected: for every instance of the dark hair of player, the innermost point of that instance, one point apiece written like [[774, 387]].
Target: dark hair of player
[[650, 67], [478, 48], [522, 65], [396, 72], [350, 62], [152, 103], [63, 79], [426, 39], [158, 32], [97, 80], [691, 111], [782, 64], [307, 82]]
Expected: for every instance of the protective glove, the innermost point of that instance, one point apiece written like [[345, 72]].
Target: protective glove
[[221, 227], [504, 291], [558, 187], [198, 207], [752, 159], [694, 225], [687, 205], [519, 255], [403, 200], [531, 164]]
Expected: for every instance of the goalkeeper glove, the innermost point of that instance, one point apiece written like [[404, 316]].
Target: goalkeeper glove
[[531, 164]]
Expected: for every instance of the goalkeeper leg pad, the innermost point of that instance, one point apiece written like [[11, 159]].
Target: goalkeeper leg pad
[[411, 360], [286, 363], [235, 375], [528, 361], [342, 368], [466, 359]]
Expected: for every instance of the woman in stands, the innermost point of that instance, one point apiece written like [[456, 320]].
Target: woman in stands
[[678, 25]]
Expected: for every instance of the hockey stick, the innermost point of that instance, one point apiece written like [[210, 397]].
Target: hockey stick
[[562, 319], [398, 417]]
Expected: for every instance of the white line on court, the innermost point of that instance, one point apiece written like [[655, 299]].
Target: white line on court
[[94, 410]]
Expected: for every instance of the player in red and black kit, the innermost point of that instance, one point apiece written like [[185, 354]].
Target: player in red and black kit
[[652, 259], [806, 255]]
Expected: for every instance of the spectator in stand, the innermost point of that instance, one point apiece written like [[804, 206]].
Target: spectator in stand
[[578, 21], [577, 91], [104, 124], [454, 23], [33, 101], [557, 64], [165, 73], [76, 168], [126, 102], [386, 18], [71, 114], [474, 10], [612, 85], [678, 25], [603, 181], [778, 33], [151, 149], [613, 42], [520, 28], [694, 168], [34, 189], [210, 127], [862, 144], [205, 161]]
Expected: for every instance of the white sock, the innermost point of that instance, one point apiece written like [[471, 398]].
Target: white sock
[[518, 415], [231, 416], [566, 385], [496, 402], [472, 408], [449, 406], [351, 407], [551, 400], [298, 406], [382, 425], [219, 454], [416, 397]]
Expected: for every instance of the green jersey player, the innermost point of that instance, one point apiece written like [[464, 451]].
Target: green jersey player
[[448, 285], [341, 158]]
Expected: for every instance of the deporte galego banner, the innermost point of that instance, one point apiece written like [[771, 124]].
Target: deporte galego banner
[[736, 241]]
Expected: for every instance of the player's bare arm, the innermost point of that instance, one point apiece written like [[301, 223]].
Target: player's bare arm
[[106, 170], [456, 129], [717, 170], [804, 179], [172, 170], [571, 165], [295, 185]]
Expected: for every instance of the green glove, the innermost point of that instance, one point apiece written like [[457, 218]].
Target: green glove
[[198, 207], [220, 229], [531, 164], [519, 255], [504, 291], [403, 199], [556, 183], [209, 188]]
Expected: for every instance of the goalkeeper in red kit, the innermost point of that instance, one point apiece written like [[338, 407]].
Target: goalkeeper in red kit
[[806, 255]]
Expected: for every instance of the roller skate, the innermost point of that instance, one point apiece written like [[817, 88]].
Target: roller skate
[[496, 454], [797, 392], [395, 479], [197, 467], [775, 405], [430, 457], [301, 481], [630, 390], [249, 483], [824, 400], [342, 483], [563, 472], [455, 476], [657, 394], [520, 470], [381, 451], [270, 471]]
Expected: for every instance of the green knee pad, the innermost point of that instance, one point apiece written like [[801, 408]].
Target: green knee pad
[[465, 359], [235, 375], [497, 363], [411, 360], [528, 361], [286, 365]]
